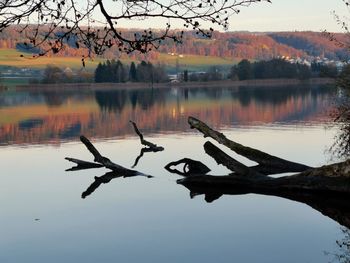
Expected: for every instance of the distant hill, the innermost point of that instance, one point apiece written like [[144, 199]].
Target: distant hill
[[223, 48]]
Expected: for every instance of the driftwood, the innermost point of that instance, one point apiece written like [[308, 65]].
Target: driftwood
[[268, 164], [190, 167], [82, 165], [150, 147], [326, 188], [329, 178], [101, 161]]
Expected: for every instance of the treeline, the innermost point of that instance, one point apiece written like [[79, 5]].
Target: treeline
[[53, 74], [116, 71], [313, 43], [253, 46], [279, 68]]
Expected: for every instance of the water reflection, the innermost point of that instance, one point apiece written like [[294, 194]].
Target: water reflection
[[111, 101], [52, 116], [105, 179], [343, 253], [333, 206]]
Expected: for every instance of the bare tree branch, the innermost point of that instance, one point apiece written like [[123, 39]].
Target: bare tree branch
[[95, 24]]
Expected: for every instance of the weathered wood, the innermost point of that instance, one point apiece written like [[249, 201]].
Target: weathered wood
[[150, 147], [264, 159], [331, 179], [154, 147], [82, 165], [232, 164], [104, 160], [190, 167]]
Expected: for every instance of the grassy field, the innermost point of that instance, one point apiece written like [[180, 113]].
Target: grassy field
[[9, 82], [12, 57]]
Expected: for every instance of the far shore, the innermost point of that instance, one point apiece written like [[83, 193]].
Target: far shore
[[208, 84]]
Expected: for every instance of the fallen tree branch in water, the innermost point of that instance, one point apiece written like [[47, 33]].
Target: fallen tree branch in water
[[82, 165], [102, 161], [190, 167], [222, 158], [150, 147], [268, 163], [326, 188], [333, 178]]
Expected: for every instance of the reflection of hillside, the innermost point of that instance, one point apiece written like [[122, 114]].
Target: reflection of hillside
[[107, 114]]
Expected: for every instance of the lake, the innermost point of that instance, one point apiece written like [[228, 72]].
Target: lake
[[138, 219]]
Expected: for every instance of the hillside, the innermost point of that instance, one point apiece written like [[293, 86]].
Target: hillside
[[195, 53]]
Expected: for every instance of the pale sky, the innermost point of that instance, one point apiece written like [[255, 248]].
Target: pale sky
[[281, 15], [290, 15]]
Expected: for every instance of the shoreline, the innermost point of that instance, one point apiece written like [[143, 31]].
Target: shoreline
[[208, 84]]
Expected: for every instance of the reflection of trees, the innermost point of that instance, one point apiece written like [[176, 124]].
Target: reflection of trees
[[111, 100], [158, 110], [280, 94], [213, 93], [133, 95], [147, 99], [54, 98], [115, 100]]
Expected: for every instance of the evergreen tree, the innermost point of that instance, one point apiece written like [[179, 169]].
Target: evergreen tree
[[244, 70], [186, 75], [132, 72], [98, 73], [142, 70]]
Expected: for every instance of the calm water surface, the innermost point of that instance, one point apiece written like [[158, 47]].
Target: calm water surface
[[44, 219]]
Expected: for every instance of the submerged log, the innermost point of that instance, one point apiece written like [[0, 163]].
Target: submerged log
[[309, 185], [332, 179], [316, 180]]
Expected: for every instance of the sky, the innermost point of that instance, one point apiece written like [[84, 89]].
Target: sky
[[280, 15], [290, 15]]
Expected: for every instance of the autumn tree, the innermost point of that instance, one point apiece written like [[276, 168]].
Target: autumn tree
[[95, 24], [52, 74]]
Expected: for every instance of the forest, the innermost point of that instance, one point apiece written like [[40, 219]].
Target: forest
[[233, 45]]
